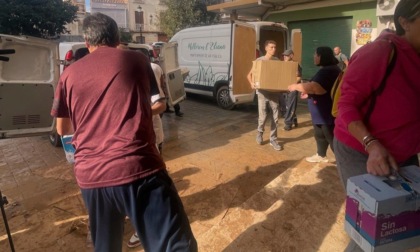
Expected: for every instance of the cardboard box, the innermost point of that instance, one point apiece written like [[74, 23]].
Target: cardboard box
[[274, 75], [380, 214]]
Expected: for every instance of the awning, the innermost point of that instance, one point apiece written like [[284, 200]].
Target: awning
[[248, 8], [260, 8]]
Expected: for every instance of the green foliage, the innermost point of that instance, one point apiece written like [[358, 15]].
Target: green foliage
[[182, 14], [125, 37], [39, 18]]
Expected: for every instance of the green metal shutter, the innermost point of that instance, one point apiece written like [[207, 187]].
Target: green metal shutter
[[323, 32]]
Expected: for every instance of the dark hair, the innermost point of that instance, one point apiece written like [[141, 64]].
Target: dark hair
[[326, 55], [100, 29], [408, 9], [80, 53], [269, 42]]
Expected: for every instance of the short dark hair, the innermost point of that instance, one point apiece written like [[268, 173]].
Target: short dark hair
[[99, 29], [408, 9], [80, 53], [326, 55], [269, 42]]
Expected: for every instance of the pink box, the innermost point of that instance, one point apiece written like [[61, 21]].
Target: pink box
[[380, 214]]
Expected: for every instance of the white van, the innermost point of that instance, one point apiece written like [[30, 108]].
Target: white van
[[29, 73], [219, 57]]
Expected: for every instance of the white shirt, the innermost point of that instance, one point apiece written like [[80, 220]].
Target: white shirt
[[157, 122]]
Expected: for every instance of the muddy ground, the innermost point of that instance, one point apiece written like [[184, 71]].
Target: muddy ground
[[239, 196]]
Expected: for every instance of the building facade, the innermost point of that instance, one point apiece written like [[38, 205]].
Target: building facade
[[349, 24], [75, 28], [138, 17]]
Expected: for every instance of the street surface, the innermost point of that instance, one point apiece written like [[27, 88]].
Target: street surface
[[239, 196]]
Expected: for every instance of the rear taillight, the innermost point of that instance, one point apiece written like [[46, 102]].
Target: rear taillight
[[156, 52], [68, 59], [69, 56]]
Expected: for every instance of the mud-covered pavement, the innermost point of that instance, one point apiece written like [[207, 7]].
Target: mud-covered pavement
[[239, 196]]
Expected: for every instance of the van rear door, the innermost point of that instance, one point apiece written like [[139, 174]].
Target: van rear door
[[243, 53], [29, 71], [174, 76]]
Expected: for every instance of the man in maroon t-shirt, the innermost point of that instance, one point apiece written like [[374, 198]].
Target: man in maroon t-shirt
[[105, 99]]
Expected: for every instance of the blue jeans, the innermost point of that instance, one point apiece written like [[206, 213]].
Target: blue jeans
[[154, 209], [273, 100]]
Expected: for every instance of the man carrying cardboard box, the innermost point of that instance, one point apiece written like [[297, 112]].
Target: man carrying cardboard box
[[265, 96]]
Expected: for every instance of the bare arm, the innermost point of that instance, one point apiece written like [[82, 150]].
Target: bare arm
[[159, 107], [308, 88], [249, 77], [380, 162], [63, 126], [346, 62]]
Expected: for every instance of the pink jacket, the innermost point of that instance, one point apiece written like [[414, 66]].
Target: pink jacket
[[395, 120]]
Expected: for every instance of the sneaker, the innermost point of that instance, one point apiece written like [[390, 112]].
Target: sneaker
[[134, 241], [276, 145], [259, 138], [317, 159], [180, 114], [287, 128]]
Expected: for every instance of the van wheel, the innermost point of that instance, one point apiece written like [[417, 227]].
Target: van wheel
[[55, 139], [223, 98]]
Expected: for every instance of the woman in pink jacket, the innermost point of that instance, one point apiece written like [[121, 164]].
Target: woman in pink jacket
[[388, 137]]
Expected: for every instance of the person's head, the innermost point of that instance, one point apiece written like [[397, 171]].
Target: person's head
[[100, 30], [407, 11], [80, 53], [288, 55], [407, 21], [270, 47], [324, 56], [337, 50]]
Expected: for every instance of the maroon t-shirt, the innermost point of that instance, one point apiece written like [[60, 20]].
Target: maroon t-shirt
[[107, 96]]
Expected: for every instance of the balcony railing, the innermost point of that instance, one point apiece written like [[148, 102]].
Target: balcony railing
[[139, 27]]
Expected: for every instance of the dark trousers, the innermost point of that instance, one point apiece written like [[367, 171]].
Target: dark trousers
[[154, 209], [177, 108], [291, 105], [324, 135]]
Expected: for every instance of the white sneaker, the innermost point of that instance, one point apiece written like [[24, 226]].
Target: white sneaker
[[317, 159], [134, 241]]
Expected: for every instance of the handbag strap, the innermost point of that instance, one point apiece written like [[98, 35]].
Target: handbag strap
[[380, 89]]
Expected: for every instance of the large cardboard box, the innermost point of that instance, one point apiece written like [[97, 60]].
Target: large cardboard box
[[274, 75], [380, 214]]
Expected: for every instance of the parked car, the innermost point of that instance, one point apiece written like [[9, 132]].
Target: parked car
[[146, 49]]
